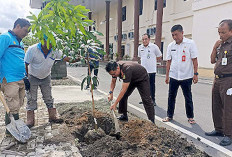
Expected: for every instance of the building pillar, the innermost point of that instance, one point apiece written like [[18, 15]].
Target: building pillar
[[159, 20], [106, 58], [136, 29], [119, 47], [158, 34]]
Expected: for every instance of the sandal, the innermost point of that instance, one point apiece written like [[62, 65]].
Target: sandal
[[191, 121], [167, 119]]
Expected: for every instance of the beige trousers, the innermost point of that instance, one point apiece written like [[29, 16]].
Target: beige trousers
[[14, 93]]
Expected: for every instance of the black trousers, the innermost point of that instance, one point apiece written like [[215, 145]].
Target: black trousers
[[152, 85], [142, 87], [186, 88]]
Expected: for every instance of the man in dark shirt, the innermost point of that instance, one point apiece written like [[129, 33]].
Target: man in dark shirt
[[134, 76], [222, 87]]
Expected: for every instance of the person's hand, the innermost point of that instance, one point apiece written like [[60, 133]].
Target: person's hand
[[113, 107], [167, 80], [195, 79], [26, 83], [217, 44], [110, 97]]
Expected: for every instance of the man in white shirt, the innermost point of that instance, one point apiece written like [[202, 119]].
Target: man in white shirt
[[39, 61], [182, 66], [149, 54]]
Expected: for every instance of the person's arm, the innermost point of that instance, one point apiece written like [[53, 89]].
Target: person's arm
[[121, 94], [68, 59], [158, 58], [112, 86], [168, 64], [26, 67], [158, 53], [195, 68], [4, 43], [214, 51]]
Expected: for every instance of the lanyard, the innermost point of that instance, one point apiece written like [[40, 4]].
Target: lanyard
[[225, 52]]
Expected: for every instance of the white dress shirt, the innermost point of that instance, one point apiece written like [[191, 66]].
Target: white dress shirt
[[148, 56], [179, 69]]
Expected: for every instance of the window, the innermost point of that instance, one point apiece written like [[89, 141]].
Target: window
[[164, 5], [124, 13], [140, 7]]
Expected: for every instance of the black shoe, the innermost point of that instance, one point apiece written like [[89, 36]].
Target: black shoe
[[123, 118], [154, 103], [226, 141], [140, 102], [87, 87], [214, 133], [153, 121]]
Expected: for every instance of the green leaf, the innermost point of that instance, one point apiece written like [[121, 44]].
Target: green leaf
[[82, 29], [101, 51], [95, 81], [82, 83]]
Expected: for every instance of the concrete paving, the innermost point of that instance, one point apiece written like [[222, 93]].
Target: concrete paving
[[43, 130]]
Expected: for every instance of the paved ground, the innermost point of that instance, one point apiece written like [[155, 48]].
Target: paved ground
[[202, 104], [44, 131]]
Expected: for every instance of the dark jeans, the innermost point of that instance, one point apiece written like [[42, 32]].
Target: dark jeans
[[186, 88], [95, 71], [152, 85]]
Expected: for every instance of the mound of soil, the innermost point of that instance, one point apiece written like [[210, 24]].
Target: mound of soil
[[138, 137]]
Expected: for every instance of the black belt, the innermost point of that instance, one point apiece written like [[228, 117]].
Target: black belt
[[223, 76]]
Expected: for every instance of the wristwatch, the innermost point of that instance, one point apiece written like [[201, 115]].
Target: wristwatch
[[196, 73], [110, 92]]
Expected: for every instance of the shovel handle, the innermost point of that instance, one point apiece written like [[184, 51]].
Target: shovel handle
[[4, 103]]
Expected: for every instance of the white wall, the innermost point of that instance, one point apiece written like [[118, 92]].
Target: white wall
[[207, 15]]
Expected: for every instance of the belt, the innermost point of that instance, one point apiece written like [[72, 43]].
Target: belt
[[223, 76]]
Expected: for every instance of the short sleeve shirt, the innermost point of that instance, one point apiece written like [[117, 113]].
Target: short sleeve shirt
[[40, 64], [132, 72], [12, 66], [148, 56], [182, 69]]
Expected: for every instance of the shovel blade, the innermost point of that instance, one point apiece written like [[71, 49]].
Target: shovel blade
[[23, 129], [19, 130], [14, 132]]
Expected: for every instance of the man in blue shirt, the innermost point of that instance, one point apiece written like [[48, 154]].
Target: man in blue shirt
[[13, 67]]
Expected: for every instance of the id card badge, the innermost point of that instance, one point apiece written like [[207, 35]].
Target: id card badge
[[183, 58], [224, 61]]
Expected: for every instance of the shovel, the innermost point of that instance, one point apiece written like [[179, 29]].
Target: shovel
[[116, 125], [17, 128]]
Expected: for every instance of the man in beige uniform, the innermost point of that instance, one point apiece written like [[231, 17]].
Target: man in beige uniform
[[222, 87]]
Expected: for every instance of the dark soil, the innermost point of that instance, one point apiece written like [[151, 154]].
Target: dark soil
[[138, 137]]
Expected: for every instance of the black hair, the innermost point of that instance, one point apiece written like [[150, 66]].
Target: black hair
[[111, 65], [177, 27], [148, 35], [228, 21], [22, 22]]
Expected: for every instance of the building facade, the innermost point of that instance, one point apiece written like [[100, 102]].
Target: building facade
[[199, 18]]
